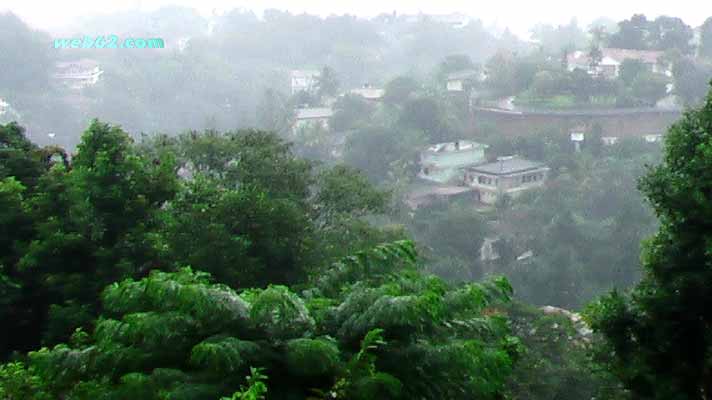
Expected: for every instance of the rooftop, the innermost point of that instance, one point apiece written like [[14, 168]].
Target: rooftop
[[422, 192], [369, 93], [461, 145], [314, 113], [648, 56], [616, 55], [469, 73], [507, 165], [82, 65], [305, 73]]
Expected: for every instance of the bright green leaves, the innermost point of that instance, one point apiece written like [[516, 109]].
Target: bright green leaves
[[217, 307], [256, 388], [388, 332], [20, 383], [373, 264], [309, 358], [19, 157], [346, 190], [657, 337], [280, 313], [224, 354]]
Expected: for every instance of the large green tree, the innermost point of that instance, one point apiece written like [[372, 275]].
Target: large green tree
[[658, 335], [92, 224], [370, 326]]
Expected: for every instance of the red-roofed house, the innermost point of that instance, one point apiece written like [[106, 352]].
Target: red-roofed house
[[611, 61]]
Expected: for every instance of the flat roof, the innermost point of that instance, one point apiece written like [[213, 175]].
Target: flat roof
[[312, 113], [507, 166], [429, 189], [469, 73], [449, 147]]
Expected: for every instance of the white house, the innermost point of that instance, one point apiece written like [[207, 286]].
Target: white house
[[78, 74], [309, 117], [459, 81], [507, 176], [653, 138], [609, 140], [578, 138], [305, 80], [369, 92], [612, 58]]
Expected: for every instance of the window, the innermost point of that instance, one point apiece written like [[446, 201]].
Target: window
[[483, 180]]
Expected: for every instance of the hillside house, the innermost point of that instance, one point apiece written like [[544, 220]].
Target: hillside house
[[611, 61], [77, 74], [304, 80], [369, 92], [443, 162], [461, 81], [507, 176], [311, 117]]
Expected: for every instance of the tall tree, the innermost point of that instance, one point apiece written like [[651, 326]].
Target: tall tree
[[691, 78], [631, 33], [95, 223], [327, 83], [667, 33], [658, 336]]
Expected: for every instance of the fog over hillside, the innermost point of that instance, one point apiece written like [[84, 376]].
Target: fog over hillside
[[312, 200]]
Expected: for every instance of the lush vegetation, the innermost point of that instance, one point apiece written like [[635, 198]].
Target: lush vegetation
[[281, 263], [657, 335], [214, 264]]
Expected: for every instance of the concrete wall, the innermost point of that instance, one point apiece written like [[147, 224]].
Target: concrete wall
[[617, 123]]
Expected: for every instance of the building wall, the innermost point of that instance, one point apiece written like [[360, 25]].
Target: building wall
[[454, 159], [490, 187], [615, 124], [312, 122], [455, 86], [305, 83]]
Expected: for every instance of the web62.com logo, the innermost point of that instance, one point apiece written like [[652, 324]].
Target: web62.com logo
[[108, 42]]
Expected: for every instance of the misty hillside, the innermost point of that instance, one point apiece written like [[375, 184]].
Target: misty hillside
[[276, 205]]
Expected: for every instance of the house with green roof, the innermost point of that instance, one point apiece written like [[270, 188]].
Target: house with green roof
[[444, 162]]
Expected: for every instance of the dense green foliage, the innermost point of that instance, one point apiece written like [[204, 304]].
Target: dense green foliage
[[658, 335], [97, 275], [252, 215], [371, 326], [278, 264]]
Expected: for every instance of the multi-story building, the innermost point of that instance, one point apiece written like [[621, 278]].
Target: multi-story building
[[507, 176]]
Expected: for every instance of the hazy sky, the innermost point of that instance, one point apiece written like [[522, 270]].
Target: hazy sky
[[517, 15]]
